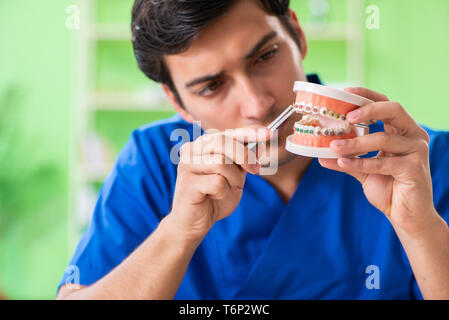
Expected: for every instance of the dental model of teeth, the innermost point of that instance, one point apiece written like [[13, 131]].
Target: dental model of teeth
[[309, 108], [318, 131], [324, 111]]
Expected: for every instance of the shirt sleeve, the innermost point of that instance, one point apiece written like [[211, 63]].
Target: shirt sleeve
[[131, 203], [439, 167]]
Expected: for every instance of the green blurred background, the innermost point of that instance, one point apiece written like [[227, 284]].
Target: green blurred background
[[70, 97]]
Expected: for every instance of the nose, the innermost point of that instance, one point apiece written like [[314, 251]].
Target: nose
[[255, 101]]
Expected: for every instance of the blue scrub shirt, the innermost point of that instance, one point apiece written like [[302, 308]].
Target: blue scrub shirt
[[327, 242]]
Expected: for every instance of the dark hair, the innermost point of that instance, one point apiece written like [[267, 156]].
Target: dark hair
[[162, 27]]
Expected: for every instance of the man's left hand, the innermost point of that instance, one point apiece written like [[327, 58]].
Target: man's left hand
[[397, 181]]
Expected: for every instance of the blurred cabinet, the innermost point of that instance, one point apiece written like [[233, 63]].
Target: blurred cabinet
[[114, 97], [335, 35]]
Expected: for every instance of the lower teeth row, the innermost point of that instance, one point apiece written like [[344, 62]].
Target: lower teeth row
[[318, 131]]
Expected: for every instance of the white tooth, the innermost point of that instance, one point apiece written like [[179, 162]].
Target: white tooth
[[339, 131], [342, 117], [313, 118], [317, 131], [296, 107], [323, 111], [347, 128], [304, 128], [308, 108], [316, 110], [332, 132], [330, 114], [325, 131], [296, 128], [311, 129], [301, 106]]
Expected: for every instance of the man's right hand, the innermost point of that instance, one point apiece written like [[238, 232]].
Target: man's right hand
[[211, 176]]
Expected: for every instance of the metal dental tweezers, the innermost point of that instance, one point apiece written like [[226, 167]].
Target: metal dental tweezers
[[284, 116]]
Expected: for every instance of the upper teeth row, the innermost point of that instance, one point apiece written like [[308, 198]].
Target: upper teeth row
[[304, 107]]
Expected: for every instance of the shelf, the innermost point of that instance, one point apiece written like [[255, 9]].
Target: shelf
[[101, 103], [122, 32], [142, 100], [98, 177], [110, 31], [333, 31]]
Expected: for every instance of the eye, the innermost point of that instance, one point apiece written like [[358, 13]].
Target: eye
[[267, 56], [210, 88]]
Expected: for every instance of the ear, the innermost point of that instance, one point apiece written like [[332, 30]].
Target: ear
[[297, 27], [182, 111]]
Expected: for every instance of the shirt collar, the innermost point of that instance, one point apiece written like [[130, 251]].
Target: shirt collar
[[314, 78]]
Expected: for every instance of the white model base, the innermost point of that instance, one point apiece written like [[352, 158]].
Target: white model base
[[307, 151]]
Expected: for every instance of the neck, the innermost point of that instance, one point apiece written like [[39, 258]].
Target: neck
[[288, 176]]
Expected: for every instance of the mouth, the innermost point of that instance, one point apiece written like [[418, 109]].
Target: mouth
[[323, 120], [323, 113], [320, 125]]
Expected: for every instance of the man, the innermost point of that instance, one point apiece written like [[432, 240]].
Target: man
[[211, 227]]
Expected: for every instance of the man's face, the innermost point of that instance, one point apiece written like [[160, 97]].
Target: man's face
[[240, 71]]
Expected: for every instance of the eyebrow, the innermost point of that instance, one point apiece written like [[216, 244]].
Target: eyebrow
[[249, 55], [260, 44], [204, 79]]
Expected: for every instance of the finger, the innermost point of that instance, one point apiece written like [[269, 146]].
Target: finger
[[219, 143], [391, 113], [379, 141], [213, 185], [390, 129], [202, 186], [210, 164], [255, 133], [367, 93], [378, 165], [332, 164]]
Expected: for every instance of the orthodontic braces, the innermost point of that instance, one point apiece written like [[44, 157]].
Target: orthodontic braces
[[309, 108], [295, 108], [319, 131]]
